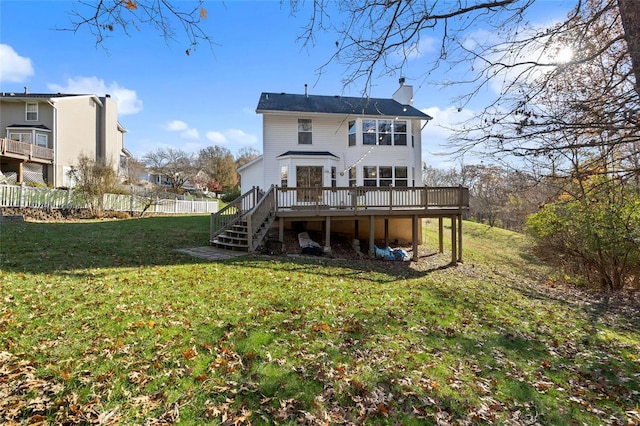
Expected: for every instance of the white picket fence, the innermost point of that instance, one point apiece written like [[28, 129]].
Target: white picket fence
[[46, 198]]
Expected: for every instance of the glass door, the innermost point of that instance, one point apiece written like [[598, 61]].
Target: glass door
[[308, 181]]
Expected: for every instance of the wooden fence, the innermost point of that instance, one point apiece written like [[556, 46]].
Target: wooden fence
[[46, 198]]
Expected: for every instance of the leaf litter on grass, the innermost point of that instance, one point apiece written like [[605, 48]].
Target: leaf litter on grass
[[312, 341]]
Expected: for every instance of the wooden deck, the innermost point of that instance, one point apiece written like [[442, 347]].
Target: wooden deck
[[25, 151], [255, 209]]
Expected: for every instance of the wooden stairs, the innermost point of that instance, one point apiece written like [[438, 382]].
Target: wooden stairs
[[236, 238]]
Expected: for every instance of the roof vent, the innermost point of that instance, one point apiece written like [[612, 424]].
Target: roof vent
[[306, 90], [26, 90], [401, 81]]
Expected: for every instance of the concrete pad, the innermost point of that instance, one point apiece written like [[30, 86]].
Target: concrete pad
[[212, 253]]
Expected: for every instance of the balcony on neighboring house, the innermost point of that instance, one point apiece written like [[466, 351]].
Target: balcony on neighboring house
[[25, 151]]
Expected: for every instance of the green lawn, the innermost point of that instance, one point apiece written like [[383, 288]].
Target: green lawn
[[106, 322]]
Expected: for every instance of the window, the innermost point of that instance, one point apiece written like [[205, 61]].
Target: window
[[384, 176], [304, 131], [284, 176], [22, 137], [334, 180], [352, 176], [369, 174], [352, 133], [383, 132], [41, 140], [401, 178], [369, 136], [32, 111], [400, 132]]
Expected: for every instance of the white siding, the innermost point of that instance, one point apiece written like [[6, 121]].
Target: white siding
[[252, 175], [330, 134]]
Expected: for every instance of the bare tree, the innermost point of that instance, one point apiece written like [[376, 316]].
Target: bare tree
[[173, 19], [586, 108], [133, 170], [92, 180], [175, 165]]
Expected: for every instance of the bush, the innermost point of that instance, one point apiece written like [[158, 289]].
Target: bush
[[597, 238], [229, 197]]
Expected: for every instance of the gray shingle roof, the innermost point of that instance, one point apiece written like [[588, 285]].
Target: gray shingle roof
[[285, 102], [19, 95], [309, 153], [28, 126]]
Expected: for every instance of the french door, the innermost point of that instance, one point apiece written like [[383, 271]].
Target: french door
[[308, 178]]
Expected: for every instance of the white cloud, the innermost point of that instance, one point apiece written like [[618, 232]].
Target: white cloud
[[15, 68], [176, 125], [418, 49], [186, 132], [231, 136], [216, 137], [127, 99], [190, 134], [437, 133], [237, 135]]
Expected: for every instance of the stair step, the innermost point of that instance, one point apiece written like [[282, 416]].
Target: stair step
[[229, 246]]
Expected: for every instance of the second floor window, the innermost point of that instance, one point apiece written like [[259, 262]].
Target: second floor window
[[352, 133], [284, 176], [32, 111], [304, 131], [384, 132]]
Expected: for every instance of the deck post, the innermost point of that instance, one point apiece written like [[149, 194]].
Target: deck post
[[440, 235], [460, 237], [327, 235], [372, 230], [454, 241], [386, 231], [281, 229], [20, 177], [415, 237]]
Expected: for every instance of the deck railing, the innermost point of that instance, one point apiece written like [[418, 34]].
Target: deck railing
[[9, 148], [356, 198]]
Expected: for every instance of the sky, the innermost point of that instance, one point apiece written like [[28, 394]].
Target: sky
[[169, 99]]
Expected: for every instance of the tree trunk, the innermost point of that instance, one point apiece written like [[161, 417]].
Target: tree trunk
[[630, 15]]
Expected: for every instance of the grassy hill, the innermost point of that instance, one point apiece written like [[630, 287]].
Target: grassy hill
[[106, 322]]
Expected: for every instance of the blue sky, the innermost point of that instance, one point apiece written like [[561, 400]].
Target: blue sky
[[168, 99]]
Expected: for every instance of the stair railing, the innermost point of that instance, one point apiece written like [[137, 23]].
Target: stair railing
[[257, 218], [233, 212]]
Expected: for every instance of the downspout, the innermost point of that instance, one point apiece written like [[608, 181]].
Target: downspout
[[54, 135]]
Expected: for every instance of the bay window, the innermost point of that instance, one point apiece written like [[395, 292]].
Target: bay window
[[383, 132], [383, 176]]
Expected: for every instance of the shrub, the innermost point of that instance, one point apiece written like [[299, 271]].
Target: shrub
[[597, 237]]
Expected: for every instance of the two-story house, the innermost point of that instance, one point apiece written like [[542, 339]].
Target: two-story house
[[311, 140], [337, 164], [43, 134]]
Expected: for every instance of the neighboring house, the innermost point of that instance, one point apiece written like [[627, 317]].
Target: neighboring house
[[338, 164], [44, 134]]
